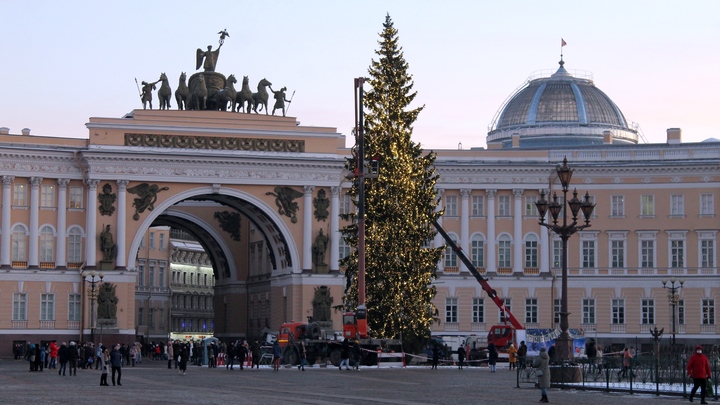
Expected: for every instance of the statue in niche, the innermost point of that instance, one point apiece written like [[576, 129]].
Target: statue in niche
[[230, 223], [321, 203], [284, 197], [319, 248], [147, 196], [322, 303], [107, 199], [107, 244], [107, 302]]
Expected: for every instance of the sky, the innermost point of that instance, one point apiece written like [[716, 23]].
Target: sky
[[657, 60]]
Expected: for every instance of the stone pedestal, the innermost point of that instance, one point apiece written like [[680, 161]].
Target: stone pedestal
[[107, 265], [322, 269], [566, 374]]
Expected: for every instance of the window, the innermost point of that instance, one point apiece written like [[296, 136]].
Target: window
[[162, 241], [450, 256], [19, 307], [708, 311], [508, 305], [681, 312], [74, 307], [478, 206], [618, 311], [707, 204], [161, 279], [20, 195], [617, 254], [647, 208], [617, 206], [707, 253], [557, 308], [451, 208], [344, 249], [648, 311], [19, 240], [647, 253], [588, 254], [530, 207], [677, 253], [557, 254], [152, 240], [451, 310], [504, 206], [76, 197], [677, 205], [345, 204], [504, 252], [47, 307], [531, 252], [47, 196], [477, 251], [151, 320], [47, 244], [141, 274], [141, 320], [478, 310], [588, 308], [205, 279], [531, 310], [74, 246], [151, 274]]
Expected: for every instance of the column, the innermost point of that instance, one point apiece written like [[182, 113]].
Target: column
[[33, 261], [91, 219], [491, 264], [464, 241], [335, 228], [439, 241], [61, 239], [518, 262], [5, 258], [121, 261], [307, 228], [545, 248]]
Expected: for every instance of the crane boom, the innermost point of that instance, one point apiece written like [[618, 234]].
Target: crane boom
[[482, 280]]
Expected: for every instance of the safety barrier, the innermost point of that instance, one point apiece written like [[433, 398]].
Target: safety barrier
[[387, 360]]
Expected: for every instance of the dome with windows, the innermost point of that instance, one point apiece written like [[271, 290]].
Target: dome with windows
[[559, 110]]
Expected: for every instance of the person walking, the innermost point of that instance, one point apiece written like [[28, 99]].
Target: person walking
[[53, 355], [73, 356], [435, 355], [116, 361], [103, 360], [542, 364], [183, 357], [170, 354], [512, 357], [62, 358], [345, 355], [461, 356], [303, 356], [277, 352], [698, 368], [522, 355], [492, 356], [357, 355], [627, 358], [230, 351], [256, 354]]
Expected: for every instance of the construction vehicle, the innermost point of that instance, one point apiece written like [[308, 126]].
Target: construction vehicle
[[511, 331]]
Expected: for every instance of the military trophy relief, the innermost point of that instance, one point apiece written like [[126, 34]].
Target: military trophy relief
[[211, 90], [146, 197], [230, 223], [285, 200]]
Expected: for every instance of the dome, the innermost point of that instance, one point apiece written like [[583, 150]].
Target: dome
[[559, 110]]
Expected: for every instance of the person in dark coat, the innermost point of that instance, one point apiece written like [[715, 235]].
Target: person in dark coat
[[552, 353], [522, 355], [256, 354], [461, 356], [63, 355], [116, 361], [542, 364], [591, 352], [345, 355], [73, 356], [183, 357], [698, 368], [492, 356], [277, 352], [230, 352], [435, 355], [357, 355]]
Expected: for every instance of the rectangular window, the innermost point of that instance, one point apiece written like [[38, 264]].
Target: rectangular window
[[478, 310], [477, 252], [504, 253], [74, 247], [531, 310], [707, 253], [141, 274], [508, 305], [152, 240], [47, 196], [618, 311], [346, 204], [151, 274], [450, 257], [707, 204], [530, 207], [617, 206], [344, 249], [47, 307], [451, 206], [588, 310], [708, 311], [677, 253], [617, 253], [19, 307], [141, 318], [47, 245], [20, 195], [648, 311], [681, 312], [451, 310], [531, 254], [162, 241], [76, 197], [74, 307], [647, 205], [557, 308], [647, 253], [677, 205], [151, 320], [161, 276], [588, 254], [478, 206], [557, 254], [18, 243], [504, 206]]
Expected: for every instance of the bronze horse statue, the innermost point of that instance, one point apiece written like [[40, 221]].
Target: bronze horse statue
[[244, 96], [182, 94], [164, 94], [261, 97], [199, 93]]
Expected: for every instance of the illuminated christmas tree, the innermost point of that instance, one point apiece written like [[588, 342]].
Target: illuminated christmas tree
[[400, 205]]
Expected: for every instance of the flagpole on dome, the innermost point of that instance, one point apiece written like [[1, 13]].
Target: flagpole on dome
[[562, 43]]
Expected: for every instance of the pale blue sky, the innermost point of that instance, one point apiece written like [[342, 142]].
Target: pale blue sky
[[68, 61]]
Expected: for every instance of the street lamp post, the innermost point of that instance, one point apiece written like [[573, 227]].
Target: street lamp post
[[674, 298], [92, 292], [564, 172]]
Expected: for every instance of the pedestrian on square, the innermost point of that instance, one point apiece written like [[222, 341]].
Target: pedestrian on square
[[230, 363], [627, 359], [103, 359], [345, 355], [116, 361], [698, 368], [512, 357], [183, 357], [600, 358], [522, 355], [357, 355], [170, 354], [53, 355], [63, 358], [73, 356], [435, 355], [461, 356], [256, 354], [303, 356], [542, 364], [242, 352], [492, 356], [277, 352]]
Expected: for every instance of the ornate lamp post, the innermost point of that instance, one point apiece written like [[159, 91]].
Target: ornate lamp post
[[92, 292], [564, 172], [674, 298]]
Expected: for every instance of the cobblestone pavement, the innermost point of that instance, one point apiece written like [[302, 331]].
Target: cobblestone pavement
[[152, 383]]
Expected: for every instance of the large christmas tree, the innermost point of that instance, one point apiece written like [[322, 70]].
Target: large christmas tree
[[400, 205]]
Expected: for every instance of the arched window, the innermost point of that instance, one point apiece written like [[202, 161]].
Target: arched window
[[504, 251], [531, 251], [477, 250], [47, 244], [19, 243]]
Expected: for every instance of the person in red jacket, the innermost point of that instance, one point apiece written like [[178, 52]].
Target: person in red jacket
[[53, 354], [698, 369]]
